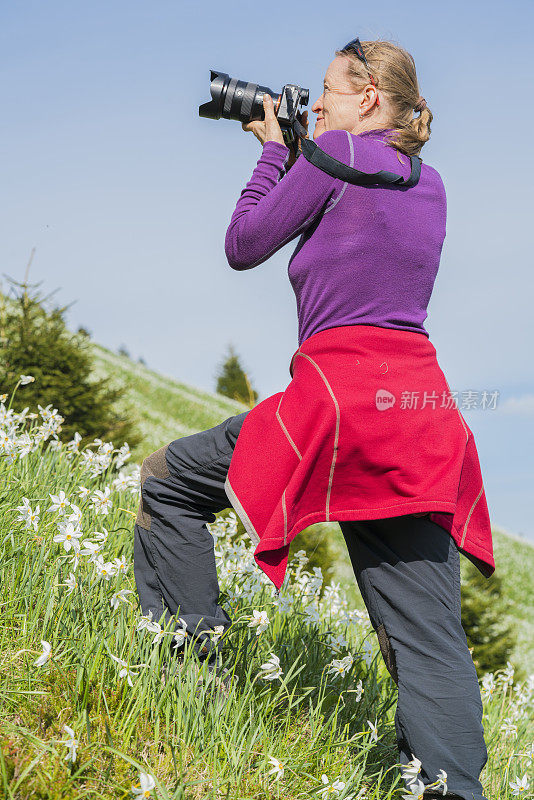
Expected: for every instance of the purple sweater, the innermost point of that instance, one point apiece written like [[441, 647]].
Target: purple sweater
[[367, 255]]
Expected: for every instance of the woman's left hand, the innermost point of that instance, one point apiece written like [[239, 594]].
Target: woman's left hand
[[267, 130]]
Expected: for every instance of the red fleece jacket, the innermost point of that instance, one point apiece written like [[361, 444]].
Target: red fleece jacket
[[366, 429]]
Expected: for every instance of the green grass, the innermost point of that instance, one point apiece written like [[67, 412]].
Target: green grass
[[196, 744]]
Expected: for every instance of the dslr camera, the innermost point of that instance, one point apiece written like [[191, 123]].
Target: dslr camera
[[243, 101]]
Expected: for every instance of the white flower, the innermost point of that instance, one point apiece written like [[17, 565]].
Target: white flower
[[24, 379], [135, 478], [507, 676], [69, 537], [33, 518], [259, 620], [152, 626], [331, 789], [146, 622], [91, 549], [74, 443], [83, 492], [71, 582], [411, 770], [118, 596], [101, 537], [216, 633], [520, 786], [147, 784], [126, 671], [271, 669], [368, 653], [442, 780], [416, 790], [283, 602], [340, 667], [488, 685], [101, 501], [337, 643], [123, 454], [75, 516], [121, 483], [43, 658], [180, 634], [71, 743], [24, 444], [355, 617], [105, 569], [277, 770], [24, 507], [374, 732], [121, 564], [29, 517], [358, 691], [312, 613]]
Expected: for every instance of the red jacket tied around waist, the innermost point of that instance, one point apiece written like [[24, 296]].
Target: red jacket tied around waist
[[366, 429]]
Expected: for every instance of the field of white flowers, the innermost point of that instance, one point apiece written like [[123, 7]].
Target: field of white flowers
[[86, 711]]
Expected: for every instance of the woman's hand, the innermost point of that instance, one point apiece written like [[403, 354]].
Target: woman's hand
[[267, 130]]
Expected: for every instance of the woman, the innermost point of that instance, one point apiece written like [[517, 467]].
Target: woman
[[347, 440]]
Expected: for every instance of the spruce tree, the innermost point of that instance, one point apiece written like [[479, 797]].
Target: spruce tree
[[485, 620], [36, 341], [233, 381]]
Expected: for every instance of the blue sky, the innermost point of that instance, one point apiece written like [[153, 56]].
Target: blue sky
[[126, 193]]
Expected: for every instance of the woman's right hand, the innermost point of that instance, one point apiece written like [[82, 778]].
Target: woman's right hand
[[268, 129]]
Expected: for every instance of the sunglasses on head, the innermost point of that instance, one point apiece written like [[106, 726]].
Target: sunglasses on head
[[355, 47]]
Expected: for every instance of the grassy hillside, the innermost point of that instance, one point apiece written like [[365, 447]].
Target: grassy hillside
[[88, 708], [167, 409]]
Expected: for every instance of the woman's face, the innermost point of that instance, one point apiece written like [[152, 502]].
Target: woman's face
[[337, 111]]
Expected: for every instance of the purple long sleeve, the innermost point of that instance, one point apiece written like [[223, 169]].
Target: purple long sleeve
[[367, 255], [275, 207]]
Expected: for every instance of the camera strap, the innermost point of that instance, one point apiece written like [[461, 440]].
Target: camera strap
[[338, 169]]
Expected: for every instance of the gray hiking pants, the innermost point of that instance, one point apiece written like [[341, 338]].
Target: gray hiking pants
[[408, 572]]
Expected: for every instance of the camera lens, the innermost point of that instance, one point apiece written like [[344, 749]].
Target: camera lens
[[235, 99]]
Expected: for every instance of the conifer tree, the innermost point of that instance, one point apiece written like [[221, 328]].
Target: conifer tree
[[485, 620], [233, 381], [36, 341]]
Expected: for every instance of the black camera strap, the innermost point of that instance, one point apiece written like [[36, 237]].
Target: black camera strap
[[338, 169]]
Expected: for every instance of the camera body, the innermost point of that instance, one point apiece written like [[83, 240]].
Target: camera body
[[243, 101]]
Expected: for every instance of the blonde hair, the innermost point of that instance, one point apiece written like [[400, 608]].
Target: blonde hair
[[393, 70]]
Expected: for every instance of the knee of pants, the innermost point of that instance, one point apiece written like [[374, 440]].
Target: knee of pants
[[154, 465]]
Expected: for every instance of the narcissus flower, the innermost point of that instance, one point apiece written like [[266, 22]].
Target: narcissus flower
[[147, 784], [43, 658], [71, 743], [277, 770], [259, 620], [271, 670]]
